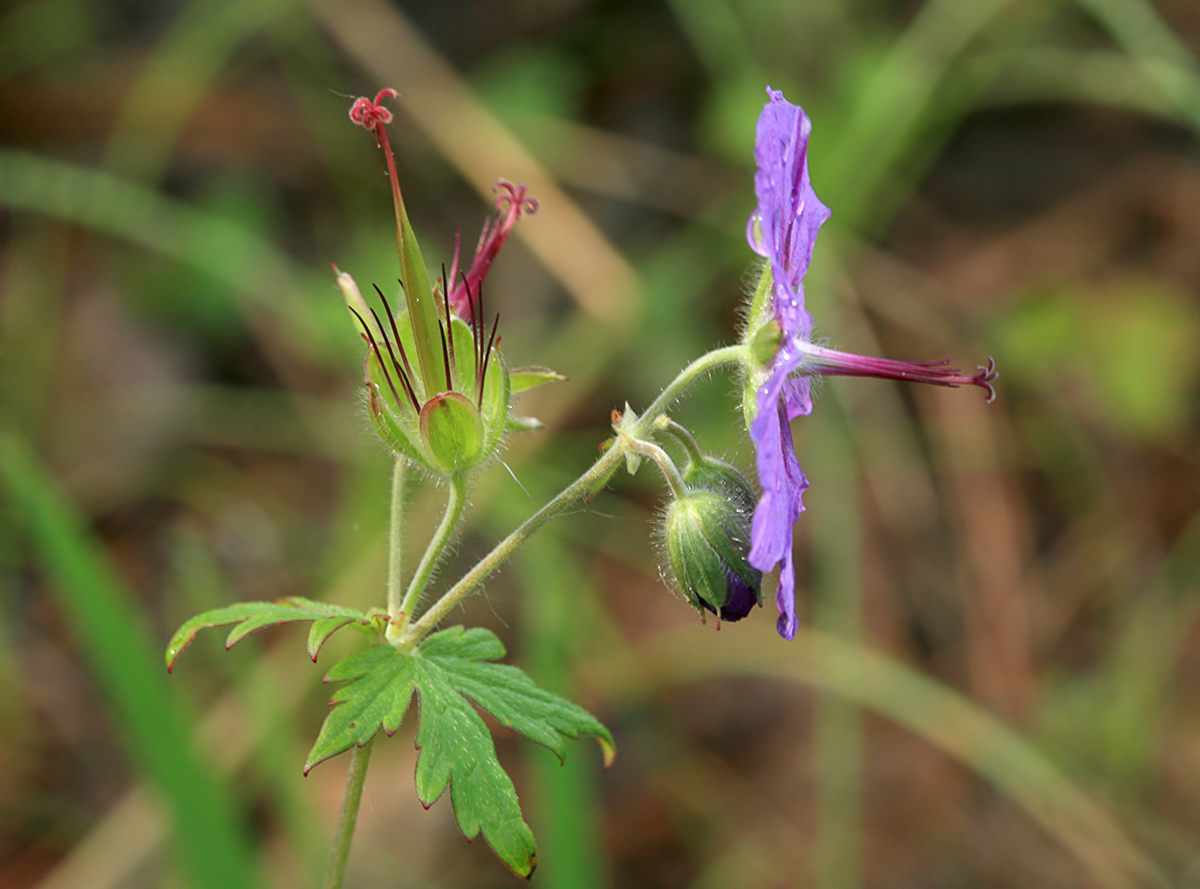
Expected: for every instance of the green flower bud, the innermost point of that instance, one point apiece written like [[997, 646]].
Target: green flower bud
[[707, 541], [705, 472]]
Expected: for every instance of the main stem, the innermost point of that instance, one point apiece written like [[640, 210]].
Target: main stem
[[348, 817], [595, 476]]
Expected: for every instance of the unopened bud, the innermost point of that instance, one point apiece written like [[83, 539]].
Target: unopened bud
[[707, 542]]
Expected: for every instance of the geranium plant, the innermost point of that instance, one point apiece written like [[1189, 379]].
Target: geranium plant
[[439, 394]]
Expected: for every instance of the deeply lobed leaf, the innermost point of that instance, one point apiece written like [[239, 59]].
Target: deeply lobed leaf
[[450, 670], [250, 617]]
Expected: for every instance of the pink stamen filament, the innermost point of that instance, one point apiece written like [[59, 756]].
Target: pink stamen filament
[[830, 362], [510, 204]]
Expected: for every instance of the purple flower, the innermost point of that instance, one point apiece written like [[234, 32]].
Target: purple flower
[[783, 230]]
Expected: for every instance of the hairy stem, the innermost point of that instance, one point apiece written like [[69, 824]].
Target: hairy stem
[[456, 503], [395, 539], [349, 815], [669, 470], [599, 472], [359, 758]]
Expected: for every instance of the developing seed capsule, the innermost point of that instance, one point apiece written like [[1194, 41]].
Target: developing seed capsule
[[707, 541], [437, 389]]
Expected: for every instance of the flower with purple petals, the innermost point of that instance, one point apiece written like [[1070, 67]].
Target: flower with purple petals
[[783, 230]]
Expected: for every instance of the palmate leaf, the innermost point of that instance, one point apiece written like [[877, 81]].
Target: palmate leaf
[[449, 671], [250, 617]]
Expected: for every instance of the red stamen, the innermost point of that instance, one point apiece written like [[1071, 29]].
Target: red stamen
[[383, 367], [370, 114], [511, 202], [487, 354], [396, 333], [404, 379], [445, 356], [449, 325]]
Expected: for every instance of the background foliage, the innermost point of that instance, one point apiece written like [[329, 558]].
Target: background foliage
[[1000, 685]]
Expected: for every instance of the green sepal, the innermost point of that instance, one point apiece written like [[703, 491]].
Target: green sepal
[[452, 431], [524, 378], [452, 674], [706, 537], [399, 424], [698, 569], [250, 617], [759, 318], [707, 473], [420, 300], [765, 343]]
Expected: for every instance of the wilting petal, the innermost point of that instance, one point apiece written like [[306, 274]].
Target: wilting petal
[[785, 599]]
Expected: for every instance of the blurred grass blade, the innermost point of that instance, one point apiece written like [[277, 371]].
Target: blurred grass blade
[[212, 846], [109, 204], [566, 818], [895, 111], [1163, 57], [931, 710], [837, 609], [177, 77]]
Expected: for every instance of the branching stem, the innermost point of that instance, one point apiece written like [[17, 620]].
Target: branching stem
[[456, 503], [588, 482], [395, 540]]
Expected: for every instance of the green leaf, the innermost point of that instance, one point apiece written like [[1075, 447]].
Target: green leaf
[[449, 671], [250, 617], [508, 694], [457, 751], [381, 685], [524, 378]]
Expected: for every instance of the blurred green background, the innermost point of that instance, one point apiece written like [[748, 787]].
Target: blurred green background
[[999, 687]]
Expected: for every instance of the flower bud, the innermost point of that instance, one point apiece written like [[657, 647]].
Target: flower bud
[[707, 542]]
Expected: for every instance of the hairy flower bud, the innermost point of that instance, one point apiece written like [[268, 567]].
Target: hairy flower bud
[[707, 541]]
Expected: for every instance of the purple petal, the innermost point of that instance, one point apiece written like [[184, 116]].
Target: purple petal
[[797, 398], [789, 213], [785, 600], [783, 485]]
